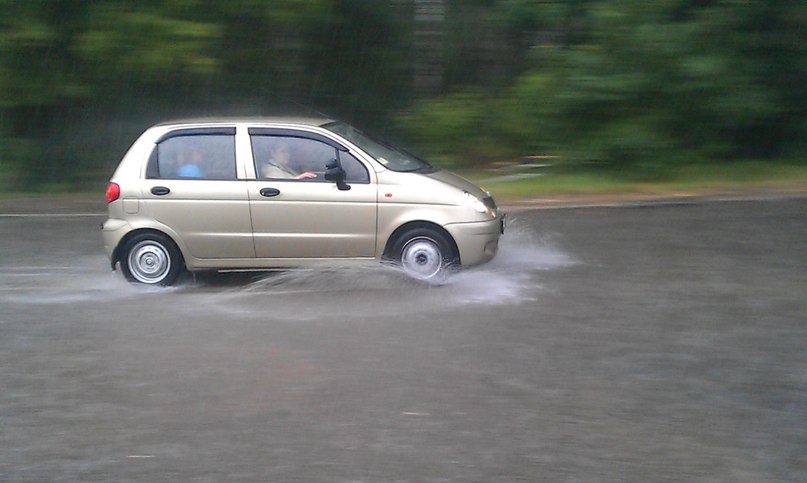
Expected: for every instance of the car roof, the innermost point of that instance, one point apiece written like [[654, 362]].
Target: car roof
[[296, 120]]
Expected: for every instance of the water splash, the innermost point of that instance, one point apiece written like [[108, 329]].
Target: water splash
[[512, 277]]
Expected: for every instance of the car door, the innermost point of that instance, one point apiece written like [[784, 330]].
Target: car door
[[296, 213], [192, 186]]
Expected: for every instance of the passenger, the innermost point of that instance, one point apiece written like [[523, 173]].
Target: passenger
[[278, 165], [189, 160]]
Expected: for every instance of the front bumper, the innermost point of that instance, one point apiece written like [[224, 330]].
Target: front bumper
[[478, 242]]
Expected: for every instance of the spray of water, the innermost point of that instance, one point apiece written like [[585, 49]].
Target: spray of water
[[512, 277]]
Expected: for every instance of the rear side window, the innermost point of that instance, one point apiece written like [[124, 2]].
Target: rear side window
[[194, 156]]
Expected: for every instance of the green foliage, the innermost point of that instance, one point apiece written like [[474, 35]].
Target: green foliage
[[34, 67], [15, 153], [145, 45], [357, 58], [452, 129], [638, 86], [71, 72], [642, 86]]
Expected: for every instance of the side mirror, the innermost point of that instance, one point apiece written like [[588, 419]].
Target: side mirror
[[334, 172]]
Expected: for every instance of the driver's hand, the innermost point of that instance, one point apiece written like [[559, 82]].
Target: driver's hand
[[306, 175]]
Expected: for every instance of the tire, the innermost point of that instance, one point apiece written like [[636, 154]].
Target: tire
[[425, 254], [151, 259]]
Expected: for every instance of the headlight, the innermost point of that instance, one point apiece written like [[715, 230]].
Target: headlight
[[476, 204]]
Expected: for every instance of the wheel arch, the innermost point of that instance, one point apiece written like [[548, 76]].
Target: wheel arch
[[115, 259], [396, 234]]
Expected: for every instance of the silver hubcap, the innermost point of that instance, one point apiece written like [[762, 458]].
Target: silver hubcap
[[149, 262], [421, 258]]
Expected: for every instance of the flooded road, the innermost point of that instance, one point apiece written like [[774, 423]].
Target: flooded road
[[602, 344]]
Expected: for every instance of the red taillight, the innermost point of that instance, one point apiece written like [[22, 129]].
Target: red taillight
[[112, 192]]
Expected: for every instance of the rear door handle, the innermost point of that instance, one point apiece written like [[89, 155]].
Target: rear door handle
[[160, 191], [269, 192]]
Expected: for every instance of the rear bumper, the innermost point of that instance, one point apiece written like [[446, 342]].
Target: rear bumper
[[113, 230], [478, 242]]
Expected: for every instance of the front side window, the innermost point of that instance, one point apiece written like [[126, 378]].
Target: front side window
[[295, 158], [282, 157], [197, 156]]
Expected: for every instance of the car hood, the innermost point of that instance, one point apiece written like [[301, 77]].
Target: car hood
[[457, 182]]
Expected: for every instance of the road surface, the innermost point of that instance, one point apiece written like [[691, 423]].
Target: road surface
[[641, 343]]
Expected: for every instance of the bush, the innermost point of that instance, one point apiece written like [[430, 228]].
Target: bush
[[454, 130], [17, 164]]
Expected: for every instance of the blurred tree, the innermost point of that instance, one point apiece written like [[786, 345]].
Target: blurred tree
[[640, 85], [632, 83], [158, 47], [58, 55], [698, 80], [429, 19], [448, 128], [358, 62], [81, 78], [263, 50], [35, 56]]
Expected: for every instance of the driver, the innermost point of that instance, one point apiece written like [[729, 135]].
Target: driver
[[279, 166]]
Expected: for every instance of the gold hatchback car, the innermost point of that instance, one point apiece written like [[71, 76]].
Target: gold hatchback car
[[276, 193]]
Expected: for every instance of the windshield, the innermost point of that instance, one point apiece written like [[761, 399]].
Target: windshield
[[392, 158]]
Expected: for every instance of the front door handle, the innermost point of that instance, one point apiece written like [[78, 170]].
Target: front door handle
[[269, 192], [160, 191]]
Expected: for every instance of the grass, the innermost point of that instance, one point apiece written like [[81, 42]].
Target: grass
[[697, 178]]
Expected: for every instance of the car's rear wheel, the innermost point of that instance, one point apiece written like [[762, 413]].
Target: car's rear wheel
[[152, 259], [425, 254]]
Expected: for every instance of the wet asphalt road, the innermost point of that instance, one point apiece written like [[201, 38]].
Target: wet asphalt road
[[663, 343]]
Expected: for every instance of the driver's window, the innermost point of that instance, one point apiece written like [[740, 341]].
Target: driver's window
[[290, 158]]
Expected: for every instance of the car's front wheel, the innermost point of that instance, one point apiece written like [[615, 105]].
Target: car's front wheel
[[425, 254], [151, 258]]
